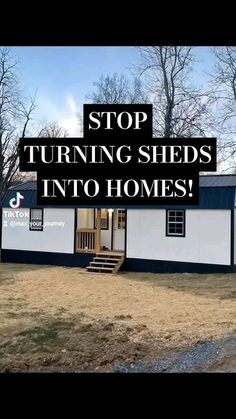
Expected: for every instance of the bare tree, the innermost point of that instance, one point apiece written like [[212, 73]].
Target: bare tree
[[52, 130], [117, 89], [15, 115], [16, 122], [225, 79], [224, 84], [179, 109]]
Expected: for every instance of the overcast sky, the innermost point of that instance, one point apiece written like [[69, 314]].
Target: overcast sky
[[62, 76]]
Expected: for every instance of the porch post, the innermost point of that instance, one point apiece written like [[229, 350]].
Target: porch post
[[98, 232]]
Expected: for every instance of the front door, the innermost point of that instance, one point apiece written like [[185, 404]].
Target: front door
[[106, 228], [119, 227], [112, 229]]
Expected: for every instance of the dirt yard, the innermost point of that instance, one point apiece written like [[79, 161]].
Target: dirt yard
[[57, 319]]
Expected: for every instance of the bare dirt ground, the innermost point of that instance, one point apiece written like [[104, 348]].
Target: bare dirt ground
[[55, 319]]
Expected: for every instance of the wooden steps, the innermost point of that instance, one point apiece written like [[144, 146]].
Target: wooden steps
[[106, 262], [101, 259]]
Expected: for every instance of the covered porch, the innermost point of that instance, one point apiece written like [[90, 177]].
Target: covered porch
[[100, 231]]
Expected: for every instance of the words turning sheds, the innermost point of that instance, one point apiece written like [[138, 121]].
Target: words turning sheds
[[118, 162]]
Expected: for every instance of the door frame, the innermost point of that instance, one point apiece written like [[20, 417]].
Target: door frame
[[113, 230]]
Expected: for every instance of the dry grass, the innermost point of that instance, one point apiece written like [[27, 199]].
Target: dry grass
[[65, 319]]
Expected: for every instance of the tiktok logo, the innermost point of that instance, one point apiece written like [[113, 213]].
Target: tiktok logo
[[15, 202]]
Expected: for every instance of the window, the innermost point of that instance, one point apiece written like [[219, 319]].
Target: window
[[36, 219], [120, 219], [175, 223], [104, 219]]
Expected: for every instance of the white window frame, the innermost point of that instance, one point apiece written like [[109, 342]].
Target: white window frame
[[173, 220]]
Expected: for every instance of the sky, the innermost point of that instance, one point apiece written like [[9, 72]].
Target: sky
[[61, 77]]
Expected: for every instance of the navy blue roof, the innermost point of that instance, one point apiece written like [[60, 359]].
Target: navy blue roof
[[216, 192], [216, 198], [30, 185], [212, 181], [29, 201], [217, 181]]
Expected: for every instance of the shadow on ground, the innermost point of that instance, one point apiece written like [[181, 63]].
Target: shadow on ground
[[73, 345], [9, 271], [221, 286]]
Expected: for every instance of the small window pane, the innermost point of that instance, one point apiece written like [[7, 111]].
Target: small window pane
[[120, 219], [104, 223], [36, 213]]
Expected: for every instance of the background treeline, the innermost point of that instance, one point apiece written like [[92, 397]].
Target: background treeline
[[163, 76]]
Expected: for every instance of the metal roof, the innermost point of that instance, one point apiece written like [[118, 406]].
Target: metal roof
[[29, 201], [205, 181], [216, 192], [30, 185], [217, 181]]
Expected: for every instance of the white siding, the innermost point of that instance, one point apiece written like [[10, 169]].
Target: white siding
[[51, 239], [207, 237]]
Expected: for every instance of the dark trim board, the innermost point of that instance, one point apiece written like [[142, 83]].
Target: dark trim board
[[233, 262], [126, 228], [46, 258], [1, 226], [112, 230], [75, 229], [130, 264], [164, 266]]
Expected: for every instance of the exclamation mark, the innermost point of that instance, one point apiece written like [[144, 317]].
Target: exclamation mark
[[190, 182]]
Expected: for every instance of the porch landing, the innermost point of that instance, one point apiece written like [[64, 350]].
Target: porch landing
[[111, 253]]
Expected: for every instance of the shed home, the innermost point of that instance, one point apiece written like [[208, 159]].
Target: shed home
[[198, 238]]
